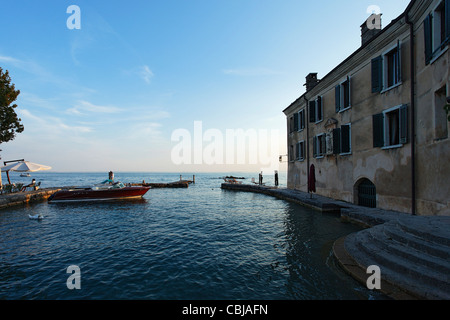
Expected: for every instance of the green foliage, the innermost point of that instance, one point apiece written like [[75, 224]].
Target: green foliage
[[9, 122]]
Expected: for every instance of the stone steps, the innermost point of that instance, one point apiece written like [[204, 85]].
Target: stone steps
[[409, 255]]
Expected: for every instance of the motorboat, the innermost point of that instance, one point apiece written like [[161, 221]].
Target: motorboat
[[107, 190], [25, 175]]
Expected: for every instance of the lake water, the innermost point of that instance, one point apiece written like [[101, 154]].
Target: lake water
[[174, 244]]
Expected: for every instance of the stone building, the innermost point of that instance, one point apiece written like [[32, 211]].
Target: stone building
[[375, 127]]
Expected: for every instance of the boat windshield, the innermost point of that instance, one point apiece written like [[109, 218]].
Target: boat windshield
[[118, 185]]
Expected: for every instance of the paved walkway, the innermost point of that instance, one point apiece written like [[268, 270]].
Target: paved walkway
[[412, 252]]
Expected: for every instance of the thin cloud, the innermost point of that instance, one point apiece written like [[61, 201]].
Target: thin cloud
[[146, 74], [85, 107], [50, 125], [8, 59]]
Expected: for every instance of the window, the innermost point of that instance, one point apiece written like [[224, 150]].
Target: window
[[316, 110], [342, 140], [300, 151], [319, 145], [390, 128], [291, 124], [301, 120], [297, 121], [437, 30], [386, 70], [343, 95]]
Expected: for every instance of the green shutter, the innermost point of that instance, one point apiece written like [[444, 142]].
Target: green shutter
[[312, 111], [377, 74], [349, 92], [345, 139], [447, 21], [337, 141], [314, 146], [404, 124], [427, 34], [296, 126], [319, 109], [337, 98], [378, 130], [303, 150], [302, 119], [399, 61], [323, 145]]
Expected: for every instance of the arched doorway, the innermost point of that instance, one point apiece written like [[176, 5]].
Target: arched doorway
[[366, 193]]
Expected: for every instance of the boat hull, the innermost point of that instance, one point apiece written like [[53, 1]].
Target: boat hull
[[98, 195]]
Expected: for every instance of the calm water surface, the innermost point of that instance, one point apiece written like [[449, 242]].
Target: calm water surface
[[195, 243]]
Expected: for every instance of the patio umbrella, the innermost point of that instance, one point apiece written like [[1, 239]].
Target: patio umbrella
[[23, 166]]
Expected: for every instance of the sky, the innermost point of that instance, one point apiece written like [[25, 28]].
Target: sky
[[168, 86]]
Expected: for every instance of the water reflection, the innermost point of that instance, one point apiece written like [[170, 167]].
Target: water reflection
[[307, 244]]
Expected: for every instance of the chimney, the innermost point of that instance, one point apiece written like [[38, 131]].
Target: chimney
[[370, 28], [311, 81]]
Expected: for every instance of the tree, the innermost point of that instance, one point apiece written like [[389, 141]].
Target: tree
[[9, 122]]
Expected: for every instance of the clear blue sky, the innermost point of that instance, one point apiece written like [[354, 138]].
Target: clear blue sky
[[110, 95]]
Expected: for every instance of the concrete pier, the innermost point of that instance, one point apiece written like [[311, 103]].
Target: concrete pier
[[20, 198]]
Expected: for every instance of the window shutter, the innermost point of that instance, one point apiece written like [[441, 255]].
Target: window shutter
[[427, 30], [447, 21], [337, 98], [377, 74], [345, 138], [303, 150], [296, 124], [399, 62], [349, 92], [378, 130], [323, 145], [312, 111], [319, 109], [297, 151], [404, 124], [315, 146], [303, 119], [337, 141]]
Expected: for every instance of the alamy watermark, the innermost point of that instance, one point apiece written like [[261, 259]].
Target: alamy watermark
[[374, 21], [74, 20], [374, 280], [234, 146], [74, 280]]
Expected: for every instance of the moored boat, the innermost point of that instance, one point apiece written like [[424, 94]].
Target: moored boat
[[100, 192]]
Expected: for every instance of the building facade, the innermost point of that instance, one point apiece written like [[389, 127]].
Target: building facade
[[374, 128]]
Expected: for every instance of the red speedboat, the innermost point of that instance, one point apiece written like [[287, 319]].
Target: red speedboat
[[99, 192]]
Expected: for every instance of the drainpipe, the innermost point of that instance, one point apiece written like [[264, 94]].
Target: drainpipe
[[413, 128], [307, 140]]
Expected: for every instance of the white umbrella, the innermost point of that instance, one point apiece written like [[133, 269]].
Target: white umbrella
[[24, 166]]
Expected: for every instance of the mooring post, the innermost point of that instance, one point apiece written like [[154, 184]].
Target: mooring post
[[193, 178]]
